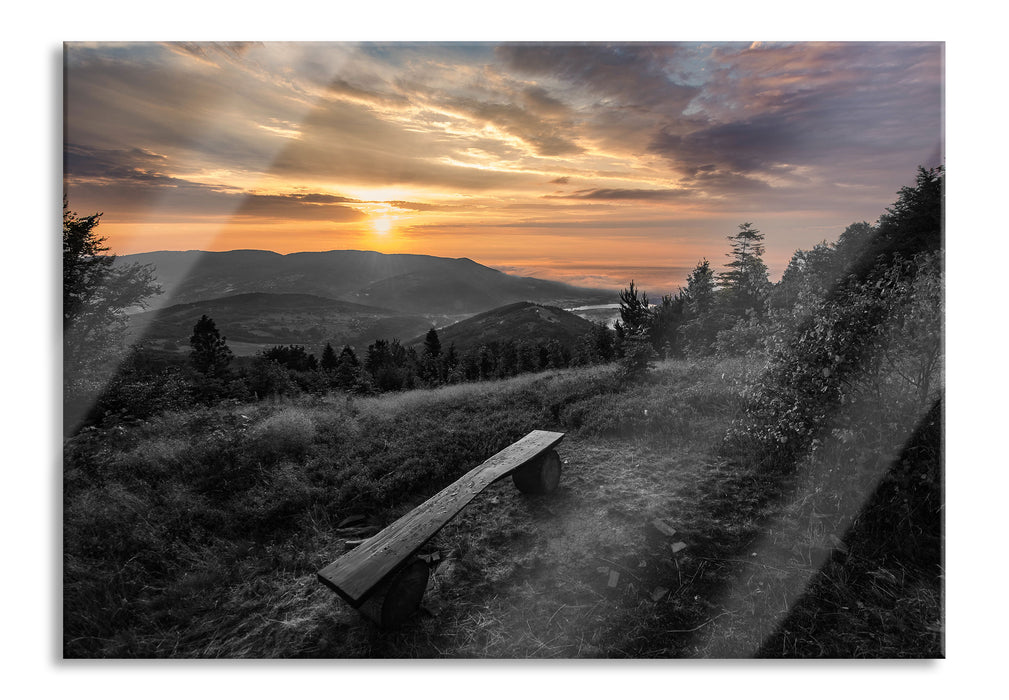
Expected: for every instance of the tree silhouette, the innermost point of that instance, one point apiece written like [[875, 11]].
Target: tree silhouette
[[700, 323], [432, 345], [634, 310], [329, 360], [96, 295], [348, 369], [210, 355], [745, 283]]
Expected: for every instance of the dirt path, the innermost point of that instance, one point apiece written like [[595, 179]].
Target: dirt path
[[582, 572]]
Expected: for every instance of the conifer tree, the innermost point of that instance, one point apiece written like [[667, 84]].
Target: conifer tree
[[329, 360], [347, 369], [429, 362], [701, 320], [210, 355], [634, 310], [745, 284], [432, 345]]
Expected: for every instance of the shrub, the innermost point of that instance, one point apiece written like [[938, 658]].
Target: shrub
[[876, 341], [286, 434], [130, 397], [639, 357]]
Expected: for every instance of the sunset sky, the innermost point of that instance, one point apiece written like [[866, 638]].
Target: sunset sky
[[588, 163]]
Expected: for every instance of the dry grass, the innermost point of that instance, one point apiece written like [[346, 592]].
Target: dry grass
[[222, 563]]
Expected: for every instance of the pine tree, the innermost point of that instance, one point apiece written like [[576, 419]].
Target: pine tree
[[210, 355], [701, 318], [432, 345], [347, 369], [634, 310], [700, 291], [603, 342], [329, 359], [745, 284], [449, 361], [667, 317], [429, 362]]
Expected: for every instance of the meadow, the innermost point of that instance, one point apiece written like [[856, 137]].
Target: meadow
[[197, 533]]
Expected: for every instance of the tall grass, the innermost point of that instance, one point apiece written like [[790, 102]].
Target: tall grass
[[202, 499], [197, 533]]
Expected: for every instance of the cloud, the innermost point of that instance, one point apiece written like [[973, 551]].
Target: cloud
[[211, 53], [418, 206], [341, 88], [649, 133], [127, 182], [769, 112], [629, 74], [545, 134], [624, 194]]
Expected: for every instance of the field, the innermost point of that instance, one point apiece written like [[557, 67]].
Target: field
[[198, 533]]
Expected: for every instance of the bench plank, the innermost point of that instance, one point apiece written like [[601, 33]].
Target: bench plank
[[358, 572]]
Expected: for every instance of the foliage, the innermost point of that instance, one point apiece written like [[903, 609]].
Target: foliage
[[884, 330], [210, 353], [293, 357], [700, 323], [96, 296], [329, 361], [432, 367], [638, 359], [744, 284], [635, 314], [347, 375]]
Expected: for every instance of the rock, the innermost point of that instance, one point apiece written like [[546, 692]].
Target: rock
[[663, 527]]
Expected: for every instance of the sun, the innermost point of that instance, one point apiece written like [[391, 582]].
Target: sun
[[382, 225]]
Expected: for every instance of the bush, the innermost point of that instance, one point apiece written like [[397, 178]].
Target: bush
[[127, 397], [877, 341], [286, 434], [639, 358]]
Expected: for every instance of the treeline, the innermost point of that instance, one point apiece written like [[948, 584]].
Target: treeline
[[739, 310], [148, 382]]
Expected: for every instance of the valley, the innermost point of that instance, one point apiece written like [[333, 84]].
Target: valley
[[261, 299]]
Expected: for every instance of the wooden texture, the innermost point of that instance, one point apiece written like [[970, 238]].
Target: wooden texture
[[398, 597], [541, 475], [354, 575]]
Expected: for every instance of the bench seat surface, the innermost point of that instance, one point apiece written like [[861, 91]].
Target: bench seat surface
[[358, 572]]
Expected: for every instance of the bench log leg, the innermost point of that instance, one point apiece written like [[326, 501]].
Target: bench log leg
[[399, 598], [539, 476]]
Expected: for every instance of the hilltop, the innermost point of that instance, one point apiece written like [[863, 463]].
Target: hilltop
[[521, 320]]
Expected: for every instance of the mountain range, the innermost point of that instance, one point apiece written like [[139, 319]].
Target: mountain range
[[420, 284], [259, 299]]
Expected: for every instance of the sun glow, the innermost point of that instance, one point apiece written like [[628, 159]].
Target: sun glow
[[383, 225]]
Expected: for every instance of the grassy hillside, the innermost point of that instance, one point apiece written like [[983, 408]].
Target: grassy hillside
[[198, 533], [522, 320], [254, 321]]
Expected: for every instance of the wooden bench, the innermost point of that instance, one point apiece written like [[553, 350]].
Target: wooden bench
[[384, 579]]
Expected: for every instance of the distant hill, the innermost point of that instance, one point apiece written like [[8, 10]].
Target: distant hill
[[523, 320], [255, 321], [414, 284]]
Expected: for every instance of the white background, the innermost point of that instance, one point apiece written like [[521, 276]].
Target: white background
[[976, 414]]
